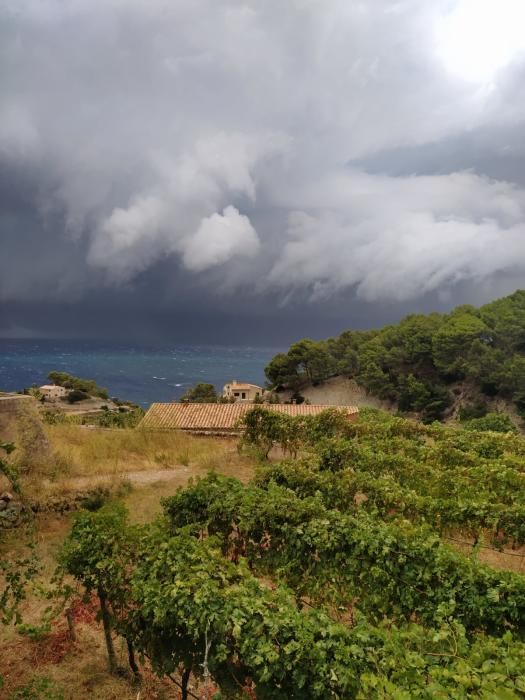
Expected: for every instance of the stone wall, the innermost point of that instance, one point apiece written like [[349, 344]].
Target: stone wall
[[20, 423]]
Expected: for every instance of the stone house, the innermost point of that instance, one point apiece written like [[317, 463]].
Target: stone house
[[52, 392], [241, 391]]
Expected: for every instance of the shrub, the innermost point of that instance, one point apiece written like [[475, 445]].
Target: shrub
[[53, 417], [200, 393], [94, 501], [472, 410], [39, 688], [76, 395], [496, 422], [88, 386], [111, 419]]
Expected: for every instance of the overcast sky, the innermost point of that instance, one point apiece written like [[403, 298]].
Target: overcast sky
[[256, 170]]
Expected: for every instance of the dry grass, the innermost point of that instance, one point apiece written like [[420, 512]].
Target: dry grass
[[82, 455], [82, 673], [84, 451]]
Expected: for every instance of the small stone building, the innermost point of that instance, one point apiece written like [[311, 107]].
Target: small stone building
[[52, 392], [242, 391]]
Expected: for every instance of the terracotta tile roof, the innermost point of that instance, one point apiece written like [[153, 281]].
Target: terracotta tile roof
[[220, 416], [242, 385]]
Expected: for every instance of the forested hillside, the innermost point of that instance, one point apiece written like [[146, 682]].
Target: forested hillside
[[420, 362]]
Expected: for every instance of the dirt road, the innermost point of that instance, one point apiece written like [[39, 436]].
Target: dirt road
[[137, 477]]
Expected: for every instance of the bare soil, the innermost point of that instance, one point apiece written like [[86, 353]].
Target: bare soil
[[339, 391]]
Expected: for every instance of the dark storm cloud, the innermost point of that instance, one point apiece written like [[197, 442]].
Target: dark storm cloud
[[263, 160]]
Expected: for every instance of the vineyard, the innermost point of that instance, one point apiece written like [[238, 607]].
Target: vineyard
[[331, 574]]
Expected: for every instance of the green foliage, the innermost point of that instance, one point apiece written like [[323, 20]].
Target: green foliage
[[16, 575], [263, 429], [87, 386], [497, 422], [326, 577], [95, 500], [96, 550], [35, 392], [98, 553], [8, 469], [415, 362], [113, 419], [184, 601], [75, 395], [452, 342], [282, 371], [36, 633], [39, 688], [394, 569], [201, 393], [54, 417], [474, 410]]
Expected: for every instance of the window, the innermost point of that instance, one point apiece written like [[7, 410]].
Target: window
[[236, 393], [243, 395]]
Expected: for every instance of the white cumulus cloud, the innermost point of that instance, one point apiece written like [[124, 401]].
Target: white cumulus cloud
[[219, 238]]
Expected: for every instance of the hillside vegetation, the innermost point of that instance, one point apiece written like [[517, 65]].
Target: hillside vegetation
[[423, 361], [89, 387]]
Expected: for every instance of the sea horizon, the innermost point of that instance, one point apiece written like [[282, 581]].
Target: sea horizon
[[142, 373]]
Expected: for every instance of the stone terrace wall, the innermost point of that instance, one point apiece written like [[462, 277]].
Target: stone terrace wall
[[20, 423]]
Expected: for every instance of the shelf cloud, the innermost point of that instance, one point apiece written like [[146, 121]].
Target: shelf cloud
[[278, 149]]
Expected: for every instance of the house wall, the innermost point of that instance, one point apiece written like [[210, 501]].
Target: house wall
[[241, 392], [54, 392]]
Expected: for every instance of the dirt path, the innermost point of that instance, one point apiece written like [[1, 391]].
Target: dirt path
[[137, 477]]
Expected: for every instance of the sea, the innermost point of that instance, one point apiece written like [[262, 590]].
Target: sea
[[140, 374]]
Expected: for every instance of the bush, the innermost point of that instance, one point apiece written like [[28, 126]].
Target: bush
[[111, 419], [88, 386], [200, 393], [472, 410], [54, 417], [94, 501], [39, 688], [496, 422], [75, 396]]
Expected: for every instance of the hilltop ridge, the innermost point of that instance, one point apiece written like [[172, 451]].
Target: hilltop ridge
[[464, 363]]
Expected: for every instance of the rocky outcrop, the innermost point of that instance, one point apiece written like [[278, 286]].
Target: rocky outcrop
[[12, 510]]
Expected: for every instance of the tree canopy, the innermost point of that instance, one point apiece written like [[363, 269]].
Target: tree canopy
[[85, 386], [416, 361], [200, 393]]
